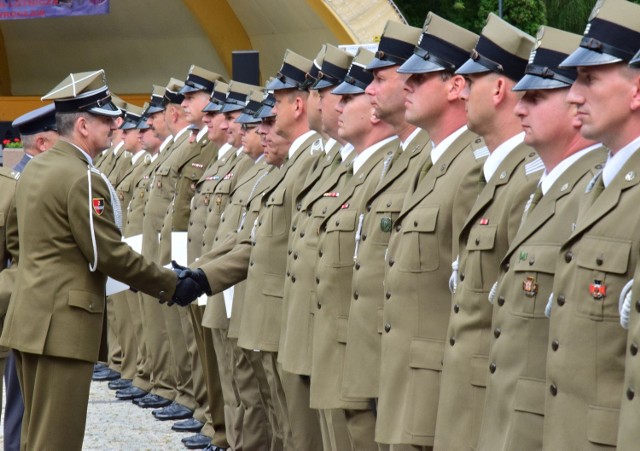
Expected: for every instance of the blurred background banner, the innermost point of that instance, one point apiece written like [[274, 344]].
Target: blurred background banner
[[39, 9]]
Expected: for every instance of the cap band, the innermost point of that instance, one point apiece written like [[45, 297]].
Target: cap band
[[81, 104], [511, 65], [610, 38], [449, 56], [394, 50]]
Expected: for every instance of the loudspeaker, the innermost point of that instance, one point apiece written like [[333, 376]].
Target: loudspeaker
[[246, 66]]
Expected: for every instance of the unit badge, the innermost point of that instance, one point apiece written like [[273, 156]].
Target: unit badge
[[98, 205], [597, 290], [530, 287], [385, 224]]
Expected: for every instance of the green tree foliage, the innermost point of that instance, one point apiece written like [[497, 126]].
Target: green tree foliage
[[526, 15]]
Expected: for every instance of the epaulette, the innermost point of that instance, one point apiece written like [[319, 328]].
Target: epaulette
[[9, 173], [534, 166], [317, 147]]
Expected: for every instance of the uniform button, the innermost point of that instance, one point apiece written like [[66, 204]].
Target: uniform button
[[288, 273], [452, 341], [387, 327], [555, 344], [630, 393], [294, 227], [492, 368], [497, 332], [188, 240], [368, 207], [500, 301], [295, 256], [633, 349], [388, 204], [532, 261], [456, 308], [387, 295], [190, 222], [337, 222], [162, 293], [391, 262], [599, 261], [324, 210], [357, 266], [317, 281], [637, 306], [301, 234], [477, 241], [553, 389], [398, 227], [560, 300], [298, 207], [293, 279], [364, 237], [320, 253], [461, 276], [356, 295], [568, 256], [308, 212], [289, 252], [506, 267], [319, 306], [91, 306]]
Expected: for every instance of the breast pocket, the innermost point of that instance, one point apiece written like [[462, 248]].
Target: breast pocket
[[275, 216], [338, 245], [386, 212], [188, 180], [602, 272], [418, 251], [534, 270], [479, 270]]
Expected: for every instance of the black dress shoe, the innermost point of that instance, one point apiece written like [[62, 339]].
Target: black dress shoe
[[130, 393], [188, 425], [152, 401], [213, 447], [119, 384], [173, 411], [106, 374], [197, 441], [99, 366]]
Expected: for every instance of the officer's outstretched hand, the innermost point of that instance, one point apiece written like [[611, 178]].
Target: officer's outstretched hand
[[192, 283]]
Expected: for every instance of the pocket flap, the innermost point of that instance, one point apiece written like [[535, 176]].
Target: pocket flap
[[605, 254], [85, 300], [277, 197], [223, 187], [481, 238], [341, 329], [479, 370], [390, 202], [207, 188], [423, 220], [343, 221], [124, 186], [602, 425], [537, 259], [273, 285], [530, 395], [163, 170], [425, 353]]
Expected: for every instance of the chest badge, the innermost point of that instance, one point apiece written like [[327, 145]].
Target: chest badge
[[385, 224], [530, 287], [597, 290]]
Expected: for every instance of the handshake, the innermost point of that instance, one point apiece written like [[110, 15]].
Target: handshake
[[192, 283]]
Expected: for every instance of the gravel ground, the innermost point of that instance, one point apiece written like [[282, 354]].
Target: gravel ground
[[120, 425]]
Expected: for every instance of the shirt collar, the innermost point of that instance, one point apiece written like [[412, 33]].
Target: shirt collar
[[260, 158], [439, 149], [180, 133], [497, 156], [362, 157], [547, 180], [164, 145], [224, 150], [410, 138], [329, 145], [89, 159], [203, 131], [137, 156], [118, 147], [298, 142], [615, 162], [345, 151]]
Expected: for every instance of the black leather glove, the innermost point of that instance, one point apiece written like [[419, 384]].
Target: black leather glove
[[192, 283]]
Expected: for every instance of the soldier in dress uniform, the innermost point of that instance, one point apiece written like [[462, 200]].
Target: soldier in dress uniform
[[586, 348], [108, 159], [514, 405], [508, 177], [411, 329], [55, 316], [373, 140], [296, 333], [38, 132]]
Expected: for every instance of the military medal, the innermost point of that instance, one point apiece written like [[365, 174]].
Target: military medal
[[530, 287], [98, 205], [385, 224], [597, 290], [331, 194], [484, 221], [344, 206], [522, 256], [206, 200], [228, 176]]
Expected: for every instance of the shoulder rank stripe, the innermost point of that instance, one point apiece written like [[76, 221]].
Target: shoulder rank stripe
[[534, 166]]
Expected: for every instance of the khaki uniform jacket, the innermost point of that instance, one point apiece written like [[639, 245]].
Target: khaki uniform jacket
[[189, 166], [334, 271], [514, 405], [299, 302], [262, 313], [129, 179], [417, 300], [121, 168], [213, 199], [161, 191], [361, 376], [229, 256], [139, 194], [587, 346], [484, 239], [8, 179], [58, 304]]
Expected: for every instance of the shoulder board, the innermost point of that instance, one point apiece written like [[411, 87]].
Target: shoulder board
[[534, 166], [9, 173], [317, 145]]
